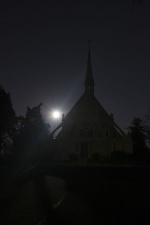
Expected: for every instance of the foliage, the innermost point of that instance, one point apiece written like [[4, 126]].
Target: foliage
[[8, 121], [118, 156], [147, 126], [95, 156], [73, 156], [137, 132], [32, 132]]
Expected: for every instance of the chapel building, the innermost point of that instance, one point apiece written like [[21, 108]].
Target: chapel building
[[88, 132]]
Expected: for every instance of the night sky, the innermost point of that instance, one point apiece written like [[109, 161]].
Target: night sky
[[44, 49]]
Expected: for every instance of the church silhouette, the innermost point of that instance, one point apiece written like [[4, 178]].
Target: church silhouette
[[88, 133]]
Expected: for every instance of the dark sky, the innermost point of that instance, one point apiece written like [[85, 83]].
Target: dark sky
[[44, 47]]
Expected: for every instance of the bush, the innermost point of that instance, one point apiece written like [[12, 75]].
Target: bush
[[73, 157], [95, 156], [118, 156]]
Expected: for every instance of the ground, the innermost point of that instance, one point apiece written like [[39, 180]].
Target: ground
[[81, 195]]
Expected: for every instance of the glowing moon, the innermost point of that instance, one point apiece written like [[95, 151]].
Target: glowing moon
[[56, 114]]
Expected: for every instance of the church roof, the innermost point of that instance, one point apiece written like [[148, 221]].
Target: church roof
[[88, 104]]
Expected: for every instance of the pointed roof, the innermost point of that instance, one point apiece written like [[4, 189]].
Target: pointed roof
[[87, 104], [89, 81]]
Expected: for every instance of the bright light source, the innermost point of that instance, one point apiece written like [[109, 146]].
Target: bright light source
[[56, 114]]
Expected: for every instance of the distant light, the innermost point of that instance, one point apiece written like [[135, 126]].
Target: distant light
[[56, 115]]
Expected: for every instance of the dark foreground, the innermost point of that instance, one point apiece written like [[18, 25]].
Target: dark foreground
[[76, 195]]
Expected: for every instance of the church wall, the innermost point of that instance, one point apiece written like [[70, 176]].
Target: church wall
[[88, 129], [103, 140], [72, 148]]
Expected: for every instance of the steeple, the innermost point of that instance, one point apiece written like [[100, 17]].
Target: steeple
[[89, 81]]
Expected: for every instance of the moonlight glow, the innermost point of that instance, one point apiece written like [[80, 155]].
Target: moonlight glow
[[56, 114]]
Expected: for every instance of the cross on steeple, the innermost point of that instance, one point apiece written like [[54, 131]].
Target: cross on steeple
[[89, 81]]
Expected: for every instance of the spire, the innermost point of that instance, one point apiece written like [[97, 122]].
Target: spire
[[89, 81]]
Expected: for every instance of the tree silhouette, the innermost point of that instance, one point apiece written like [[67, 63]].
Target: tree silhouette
[[32, 133], [147, 126], [137, 132], [8, 121]]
